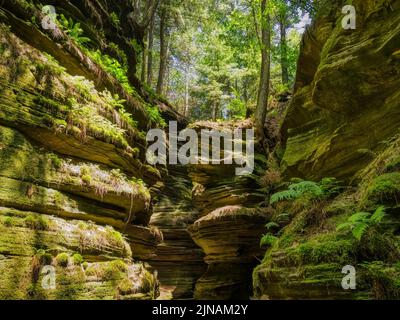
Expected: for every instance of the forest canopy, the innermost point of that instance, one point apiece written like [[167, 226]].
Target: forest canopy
[[205, 56]]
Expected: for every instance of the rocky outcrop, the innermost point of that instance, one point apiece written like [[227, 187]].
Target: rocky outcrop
[[74, 193], [229, 225], [346, 98], [342, 122], [229, 237], [178, 260]]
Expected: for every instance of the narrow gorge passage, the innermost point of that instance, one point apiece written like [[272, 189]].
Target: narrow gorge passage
[[211, 230], [309, 89]]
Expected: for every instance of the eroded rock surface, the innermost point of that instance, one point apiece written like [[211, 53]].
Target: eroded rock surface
[[346, 98]]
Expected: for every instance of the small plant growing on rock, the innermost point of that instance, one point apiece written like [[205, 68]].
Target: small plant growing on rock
[[62, 259], [55, 161], [268, 240], [77, 259], [115, 270], [87, 179], [74, 30], [8, 222], [37, 222], [360, 222], [385, 188]]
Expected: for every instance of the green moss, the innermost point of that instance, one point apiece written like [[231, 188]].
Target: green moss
[[37, 222], [70, 283], [115, 270], [87, 179], [114, 19], [393, 165], [383, 279], [322, 250], [62, 259], [8, 222], [44, 257], [125, 287], [77, 259], [55, 161], [114, 237], [384, 188]]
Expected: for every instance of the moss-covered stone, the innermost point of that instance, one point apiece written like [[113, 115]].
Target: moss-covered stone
[[346, 98]]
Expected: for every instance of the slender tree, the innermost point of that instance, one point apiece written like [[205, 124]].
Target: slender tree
[[164, 48], [263, 90], [150, 45]]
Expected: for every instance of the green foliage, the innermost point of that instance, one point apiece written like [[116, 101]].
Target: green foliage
[[44, 257], [125, 286], [8, 222], [271, 225], [55, 161], [322, 250], [297, 190], [384, 188], [87, 179], [112, 66], [62, 259], [114, 19], [115, 270], [326, 188], [384, 279], [77, 259], [114, 237], [37, 222], [360, 222], [74, 30], [268, 240], [155, 116]]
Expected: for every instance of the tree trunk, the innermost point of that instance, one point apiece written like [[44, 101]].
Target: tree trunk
[[263, 90], [150, 53], [164, 47], [144, 58], [214, 111], [284, 57], [186, 110]]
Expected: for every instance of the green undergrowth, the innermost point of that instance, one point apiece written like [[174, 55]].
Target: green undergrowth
[[325, 223], [117, 69]]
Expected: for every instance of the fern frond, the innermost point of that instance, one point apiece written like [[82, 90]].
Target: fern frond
[[283, 195], [359, 230], [378, 215], [345, 225], [359, 217], [271, 225], [309, 187]]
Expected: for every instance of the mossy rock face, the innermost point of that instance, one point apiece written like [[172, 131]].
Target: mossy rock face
[[28, 249], [66, 113], [307, 258], [22, 161], [385, 189], [346, 101]]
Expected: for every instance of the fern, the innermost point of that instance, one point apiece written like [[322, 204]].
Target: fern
[[74, 30], [284, 195], [378, 215], [360, 222], [297, 190], [270, 225], [358, 230]]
